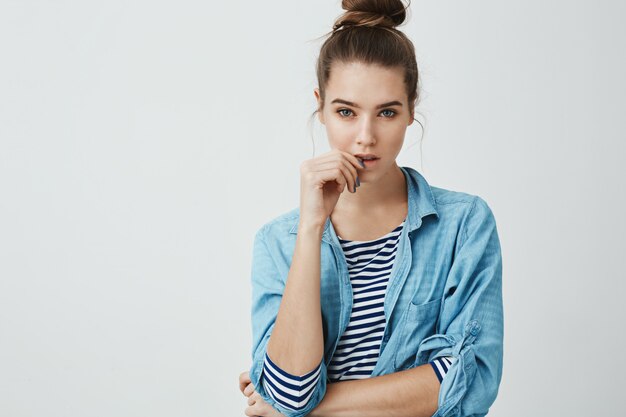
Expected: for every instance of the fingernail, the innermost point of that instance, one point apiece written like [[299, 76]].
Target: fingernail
[[362, 163], [358, 183]]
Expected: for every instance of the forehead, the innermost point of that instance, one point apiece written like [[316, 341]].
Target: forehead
[[365, 83]]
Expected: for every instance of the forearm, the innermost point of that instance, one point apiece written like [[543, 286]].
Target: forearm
[[410, 393], [297, 342]]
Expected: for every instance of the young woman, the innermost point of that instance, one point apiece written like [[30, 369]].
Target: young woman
[[380, 294]]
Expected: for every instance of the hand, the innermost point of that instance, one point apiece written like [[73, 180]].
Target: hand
[[322, 180], [257, 407], [245, 384]]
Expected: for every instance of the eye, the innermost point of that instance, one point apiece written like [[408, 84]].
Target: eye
[[344, 115], [389, 115]]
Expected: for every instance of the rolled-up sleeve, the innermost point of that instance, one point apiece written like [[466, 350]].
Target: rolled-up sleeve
[[267, 290], [471, 325]]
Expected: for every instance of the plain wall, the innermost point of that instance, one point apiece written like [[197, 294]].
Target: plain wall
[[143, 143]]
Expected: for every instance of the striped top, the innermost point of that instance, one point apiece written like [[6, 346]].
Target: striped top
[[369, 265]]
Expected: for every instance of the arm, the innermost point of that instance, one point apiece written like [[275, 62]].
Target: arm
[[290, 391], [470, 331], [471, 326], [287, 325], [409, 393], [297, 341]]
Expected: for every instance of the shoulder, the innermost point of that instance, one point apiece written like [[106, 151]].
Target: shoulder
[[471, 218], [471, 213], [280, 225], [459, 200], [449, 204], [465, 210]]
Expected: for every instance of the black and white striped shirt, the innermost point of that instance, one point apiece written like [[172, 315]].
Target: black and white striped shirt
[[369, 265]]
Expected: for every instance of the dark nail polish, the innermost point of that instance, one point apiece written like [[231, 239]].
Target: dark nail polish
[[358, 183], [362, 163]]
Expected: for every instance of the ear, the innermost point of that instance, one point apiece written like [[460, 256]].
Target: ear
[[412, 112], [320, 114]]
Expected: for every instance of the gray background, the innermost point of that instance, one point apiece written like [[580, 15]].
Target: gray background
[[143, 143]]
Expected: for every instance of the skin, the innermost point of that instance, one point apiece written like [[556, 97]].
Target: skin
[[377, 206]]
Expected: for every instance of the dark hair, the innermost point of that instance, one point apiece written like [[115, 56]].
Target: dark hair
[[367, 33]]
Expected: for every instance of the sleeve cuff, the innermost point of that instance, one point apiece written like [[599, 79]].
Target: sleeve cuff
[[441, 366], [291, 391]]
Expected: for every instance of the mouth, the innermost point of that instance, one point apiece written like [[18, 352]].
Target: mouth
[[369, 163], [369, 160]]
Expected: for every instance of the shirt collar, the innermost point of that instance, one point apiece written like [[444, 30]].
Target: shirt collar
[[421, 203]]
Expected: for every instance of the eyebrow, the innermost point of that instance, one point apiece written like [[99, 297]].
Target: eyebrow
[[349, 103]]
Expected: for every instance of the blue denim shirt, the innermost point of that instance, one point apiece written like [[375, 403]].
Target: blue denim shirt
[[444, 296]]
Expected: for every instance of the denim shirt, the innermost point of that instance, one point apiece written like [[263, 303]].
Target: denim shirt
[[444, 296]]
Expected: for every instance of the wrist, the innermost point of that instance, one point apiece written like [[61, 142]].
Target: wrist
[[311, 228]]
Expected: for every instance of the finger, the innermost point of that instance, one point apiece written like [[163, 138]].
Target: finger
[[356, 162], [340, 174], [338, 170], [255, 404], [326, 156], [330, 156], [330, 173], [244, 380], [249, 390], [353, 164]]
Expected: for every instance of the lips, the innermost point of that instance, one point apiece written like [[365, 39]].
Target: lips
[[369, 163], [366, 156]]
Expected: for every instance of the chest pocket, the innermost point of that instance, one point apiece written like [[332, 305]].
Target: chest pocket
[[419, 322]]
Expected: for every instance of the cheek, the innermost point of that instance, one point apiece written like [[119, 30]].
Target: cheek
[[400, 130], [338, 132], [333, 124]]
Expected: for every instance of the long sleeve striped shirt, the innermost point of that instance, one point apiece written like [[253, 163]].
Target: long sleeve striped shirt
[[369, 264]]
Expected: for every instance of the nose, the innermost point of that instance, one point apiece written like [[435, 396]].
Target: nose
[[365, 134]]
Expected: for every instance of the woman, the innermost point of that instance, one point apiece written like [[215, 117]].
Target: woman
[[380, 294]]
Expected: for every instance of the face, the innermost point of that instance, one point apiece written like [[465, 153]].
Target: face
[[366, 111]]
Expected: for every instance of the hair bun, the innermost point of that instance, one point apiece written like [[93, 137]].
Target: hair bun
[[385, 13]]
